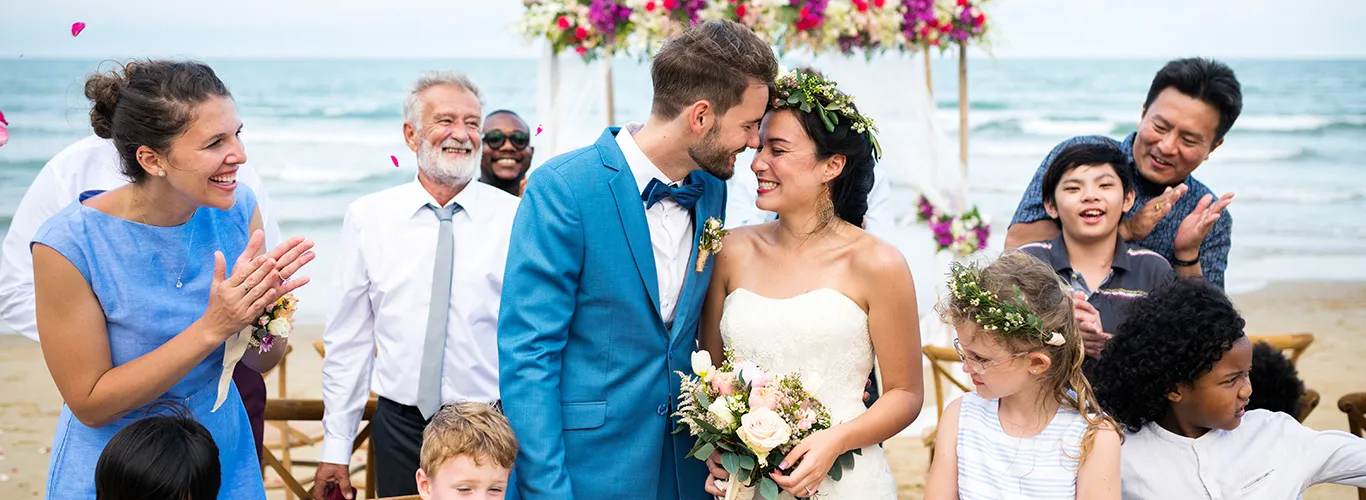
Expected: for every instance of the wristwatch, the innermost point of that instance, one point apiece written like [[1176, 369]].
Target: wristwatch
[[1185, 263]]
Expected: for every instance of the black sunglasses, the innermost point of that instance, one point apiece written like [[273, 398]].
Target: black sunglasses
[[495, 139]]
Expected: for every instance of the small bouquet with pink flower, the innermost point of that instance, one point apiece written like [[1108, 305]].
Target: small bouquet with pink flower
[[276, 323], [752, 417]]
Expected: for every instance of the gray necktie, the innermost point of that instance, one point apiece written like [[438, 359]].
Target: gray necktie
[[434, 347]]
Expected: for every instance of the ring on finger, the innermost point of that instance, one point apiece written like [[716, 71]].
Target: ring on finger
[[1157, 207], [809, 491], [246, 287]]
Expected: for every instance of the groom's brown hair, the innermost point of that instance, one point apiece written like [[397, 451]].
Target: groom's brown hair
[[714, 62]]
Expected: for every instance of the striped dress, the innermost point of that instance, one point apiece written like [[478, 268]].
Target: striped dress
[[994, 465]]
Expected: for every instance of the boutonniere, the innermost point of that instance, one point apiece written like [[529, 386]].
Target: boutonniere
[[710, 244]]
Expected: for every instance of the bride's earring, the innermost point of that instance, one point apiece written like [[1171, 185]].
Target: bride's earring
[[828, 206]]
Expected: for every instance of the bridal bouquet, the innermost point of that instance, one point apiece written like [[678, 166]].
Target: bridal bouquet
[[754, 418]]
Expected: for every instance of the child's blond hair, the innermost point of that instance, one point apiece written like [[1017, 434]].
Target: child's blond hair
[[1045, 296], [476, 430]]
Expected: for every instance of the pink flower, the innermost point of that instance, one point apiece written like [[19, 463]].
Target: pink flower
[[804, 424], [670, 4], [763, 397], [581, 50], [724, 383], [740, 10], [650, 6], [581, 32], [563, 22]]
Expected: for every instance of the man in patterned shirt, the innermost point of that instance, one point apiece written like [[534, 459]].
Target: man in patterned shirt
[[1191, 104]]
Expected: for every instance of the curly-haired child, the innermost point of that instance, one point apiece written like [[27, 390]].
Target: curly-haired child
[[1176, 376], [1033, 429]]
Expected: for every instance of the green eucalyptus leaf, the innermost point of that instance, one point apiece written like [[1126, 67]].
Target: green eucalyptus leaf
[[746, 462], [768, 489], [731, 462], [704, 452], [794, 98]]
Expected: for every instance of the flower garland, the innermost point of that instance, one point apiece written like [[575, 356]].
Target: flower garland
[[962, 234], [603, 28], [1009, 317]]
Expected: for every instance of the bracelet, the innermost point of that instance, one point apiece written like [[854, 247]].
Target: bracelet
[[1185, 263]]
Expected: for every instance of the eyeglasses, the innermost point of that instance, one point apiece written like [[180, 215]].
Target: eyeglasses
[[495, 139], [978, 366]]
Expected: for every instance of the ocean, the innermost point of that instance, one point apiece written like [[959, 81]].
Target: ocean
[[320, 132]]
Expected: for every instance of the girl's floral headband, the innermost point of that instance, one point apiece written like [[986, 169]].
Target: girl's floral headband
[[809, 92], [1010, 317]]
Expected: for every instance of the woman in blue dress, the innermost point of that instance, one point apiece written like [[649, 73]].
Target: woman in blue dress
[[135, 297]]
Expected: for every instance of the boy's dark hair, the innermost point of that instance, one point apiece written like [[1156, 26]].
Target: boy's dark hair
[[1275, 382], [167, 456], [1210, 81], [1090, 153], [713, 61], [1174, 336]]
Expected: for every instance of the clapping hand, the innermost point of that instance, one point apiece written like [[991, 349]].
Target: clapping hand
[[1139, 225], [1197, 225], [236, 301]]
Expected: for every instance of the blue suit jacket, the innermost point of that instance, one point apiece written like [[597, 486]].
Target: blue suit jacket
[[586, 364]]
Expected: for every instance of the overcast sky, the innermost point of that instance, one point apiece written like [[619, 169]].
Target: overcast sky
[[483, 28]]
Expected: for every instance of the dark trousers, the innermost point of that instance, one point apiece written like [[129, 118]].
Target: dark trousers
[[396, 435], [252, 386]]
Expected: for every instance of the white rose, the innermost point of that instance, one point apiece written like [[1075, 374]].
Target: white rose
[[701, 364], [762, 430], [280, 327], [721, 410]]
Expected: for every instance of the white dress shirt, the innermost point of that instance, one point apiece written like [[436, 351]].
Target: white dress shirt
[[1269, 455], [374, 337], [88, 164], [671, 225]]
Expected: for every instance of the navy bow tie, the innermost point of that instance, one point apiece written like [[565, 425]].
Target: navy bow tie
[[686, 195]]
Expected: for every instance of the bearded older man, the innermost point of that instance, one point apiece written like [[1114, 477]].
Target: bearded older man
[[402, 252]]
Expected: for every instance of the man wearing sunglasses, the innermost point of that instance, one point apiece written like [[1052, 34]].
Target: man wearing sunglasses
[[507, 152]]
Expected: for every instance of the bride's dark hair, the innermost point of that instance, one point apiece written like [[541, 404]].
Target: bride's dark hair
[[848, 191]]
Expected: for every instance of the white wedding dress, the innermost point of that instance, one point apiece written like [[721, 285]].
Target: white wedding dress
[[823, 336]]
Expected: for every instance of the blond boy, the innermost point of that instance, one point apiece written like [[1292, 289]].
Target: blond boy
[[467, 452]]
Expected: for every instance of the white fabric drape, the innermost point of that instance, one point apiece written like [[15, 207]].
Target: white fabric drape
[[570, 97]]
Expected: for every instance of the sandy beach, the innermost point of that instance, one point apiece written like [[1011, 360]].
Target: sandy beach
[[1335, 312]]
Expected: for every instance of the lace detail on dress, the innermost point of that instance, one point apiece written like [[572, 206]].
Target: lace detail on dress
[[823, 336]]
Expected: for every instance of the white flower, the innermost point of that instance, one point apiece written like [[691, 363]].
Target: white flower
[[280, 327], [701, 364], [721, 410], [1055, 339], [762, 430]]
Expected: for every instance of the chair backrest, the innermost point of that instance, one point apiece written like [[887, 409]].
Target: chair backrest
[[941, 358], [1308, 401], [1296, 343], [1354, 405]]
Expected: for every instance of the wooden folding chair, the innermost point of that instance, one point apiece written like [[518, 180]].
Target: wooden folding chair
[[1294, 343], [1354, 405], [283, 410], [941, 358]]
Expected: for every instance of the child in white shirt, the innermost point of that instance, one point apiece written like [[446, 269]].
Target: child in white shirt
[[1176, 376]]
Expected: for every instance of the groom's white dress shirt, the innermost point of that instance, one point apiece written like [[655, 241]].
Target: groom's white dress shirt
[[88, 164], [374, 336], [671, 225]]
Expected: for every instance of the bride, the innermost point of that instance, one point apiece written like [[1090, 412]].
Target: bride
[[813, 293]]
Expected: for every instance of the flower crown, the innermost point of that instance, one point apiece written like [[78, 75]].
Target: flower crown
[[810, 92], [1010, 317]]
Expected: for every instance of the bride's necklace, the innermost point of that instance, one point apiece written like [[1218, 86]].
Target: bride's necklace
[[189, 245]]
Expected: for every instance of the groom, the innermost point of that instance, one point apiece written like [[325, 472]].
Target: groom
[[601, 298]]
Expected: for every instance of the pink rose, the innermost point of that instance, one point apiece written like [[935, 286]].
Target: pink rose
[[724, 383], [763, 397]]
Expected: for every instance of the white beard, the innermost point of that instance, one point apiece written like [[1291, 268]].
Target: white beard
[[432, 162]]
